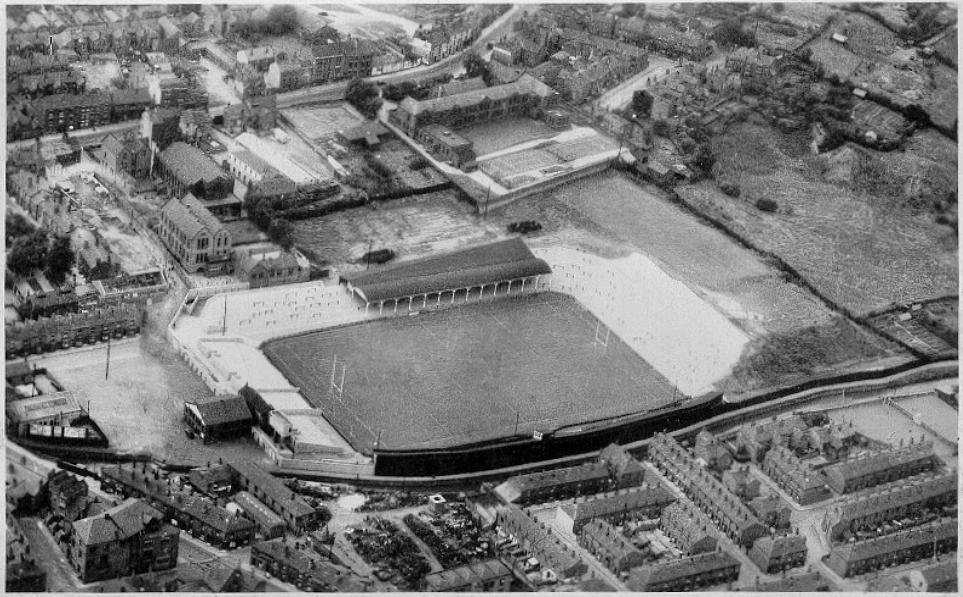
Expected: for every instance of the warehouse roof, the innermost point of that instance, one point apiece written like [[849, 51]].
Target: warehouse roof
[[190, 216], [496, 262], [189, 164]]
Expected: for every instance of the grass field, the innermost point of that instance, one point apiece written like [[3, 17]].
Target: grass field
[[496, 135], [736, 281], [462, 375], [864, 250]]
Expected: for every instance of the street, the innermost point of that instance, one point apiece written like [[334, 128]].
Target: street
[[619, 97], [80, 134], [47, 554]]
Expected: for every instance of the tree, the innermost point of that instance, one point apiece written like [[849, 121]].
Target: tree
[[60, 259], [364, 96], [282, 233], [17, 226], [704, 159], [642, 102], [730, 33], [661, 128], [475, 66], [28, 253]]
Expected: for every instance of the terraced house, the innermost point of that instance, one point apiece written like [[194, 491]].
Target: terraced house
[[910, 545], [609, 546], [641, 503], [689, 528], [906, 498], [779, 553], [867, 470], [538, 539], [197, 239], [685, 574], [797, 478]]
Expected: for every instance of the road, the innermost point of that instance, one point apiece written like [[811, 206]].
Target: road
[[335, 91], [620, 96], [47, 554]]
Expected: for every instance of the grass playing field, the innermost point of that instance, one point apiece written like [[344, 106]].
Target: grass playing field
[[462, 375]]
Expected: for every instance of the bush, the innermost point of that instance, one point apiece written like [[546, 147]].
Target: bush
[[661, 128], [419, 163], [730, 189], [768, 205]]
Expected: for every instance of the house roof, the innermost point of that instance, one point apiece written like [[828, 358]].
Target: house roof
[[478, 572], [779, 547], [258, 53], [505, 260], [624, 501], [257, 510], [670, 570], [222, 409], [190, 216], [882, 498], [273, 486], [203, 478], [524, 85], [807, 582], [120, 522], [189, 164], [866, 464], [371, 131], [926, 534]]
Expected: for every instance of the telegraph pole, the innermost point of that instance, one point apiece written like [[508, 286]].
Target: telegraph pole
[[107, 368]]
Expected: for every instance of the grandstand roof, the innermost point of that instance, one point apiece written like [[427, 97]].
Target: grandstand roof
[[495, 262]]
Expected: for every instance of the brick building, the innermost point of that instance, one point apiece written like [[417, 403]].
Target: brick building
[[562, 483], [910, 545], [689, 528], [643, 502], [271, 266], [489, 576], [219, 418], [609, 546], [447, 146], [905, 498], [874, 468], [797, 478], [527, 95], [187, 169], [269, 523], [757, 438], [711, 450], [742, 483], [706, 491], [685, 574], [297, 563], [340, 60], [197, 239], [131, 538], [539, 540], [772, 510], [127, 154], [256, 178], [68, 495], [779, 553], [297, 514], [63, 112]]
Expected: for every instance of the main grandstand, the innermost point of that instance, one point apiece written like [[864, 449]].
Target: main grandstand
[[464, 368]]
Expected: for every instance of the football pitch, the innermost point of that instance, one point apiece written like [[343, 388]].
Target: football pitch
[[469, 374]]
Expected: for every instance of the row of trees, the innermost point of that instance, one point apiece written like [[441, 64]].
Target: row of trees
[[281, 19], [278, 229], [365, 96], [32, 249]]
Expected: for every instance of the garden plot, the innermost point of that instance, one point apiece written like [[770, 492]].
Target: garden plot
[[865, 251]]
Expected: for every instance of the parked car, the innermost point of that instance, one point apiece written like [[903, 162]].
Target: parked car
[[524, 227]]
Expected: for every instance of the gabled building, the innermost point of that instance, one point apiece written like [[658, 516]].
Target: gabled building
[[711, 450], [260, 57], [297, 513], [131, 538], [742, 483], [218, 418], [187, 169], [197, 239], [874, 468], [539, 540], [272, 266], [609, 546], [772, 510], [797, 478], [295, 562], [689, 528], [645, 502], [68, 495], [686, 574], [489, 576], [917, 543], [774, 554], [127, 154]]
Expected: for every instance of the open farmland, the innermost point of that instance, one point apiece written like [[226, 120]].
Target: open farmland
[[612, 215], [412, 227], [865, 251], [464, 374]]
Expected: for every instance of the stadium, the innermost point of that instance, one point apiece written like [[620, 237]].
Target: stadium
[[477, 358]]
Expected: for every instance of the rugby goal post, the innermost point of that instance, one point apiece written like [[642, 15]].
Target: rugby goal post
[[599, 340], [337, 386]]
